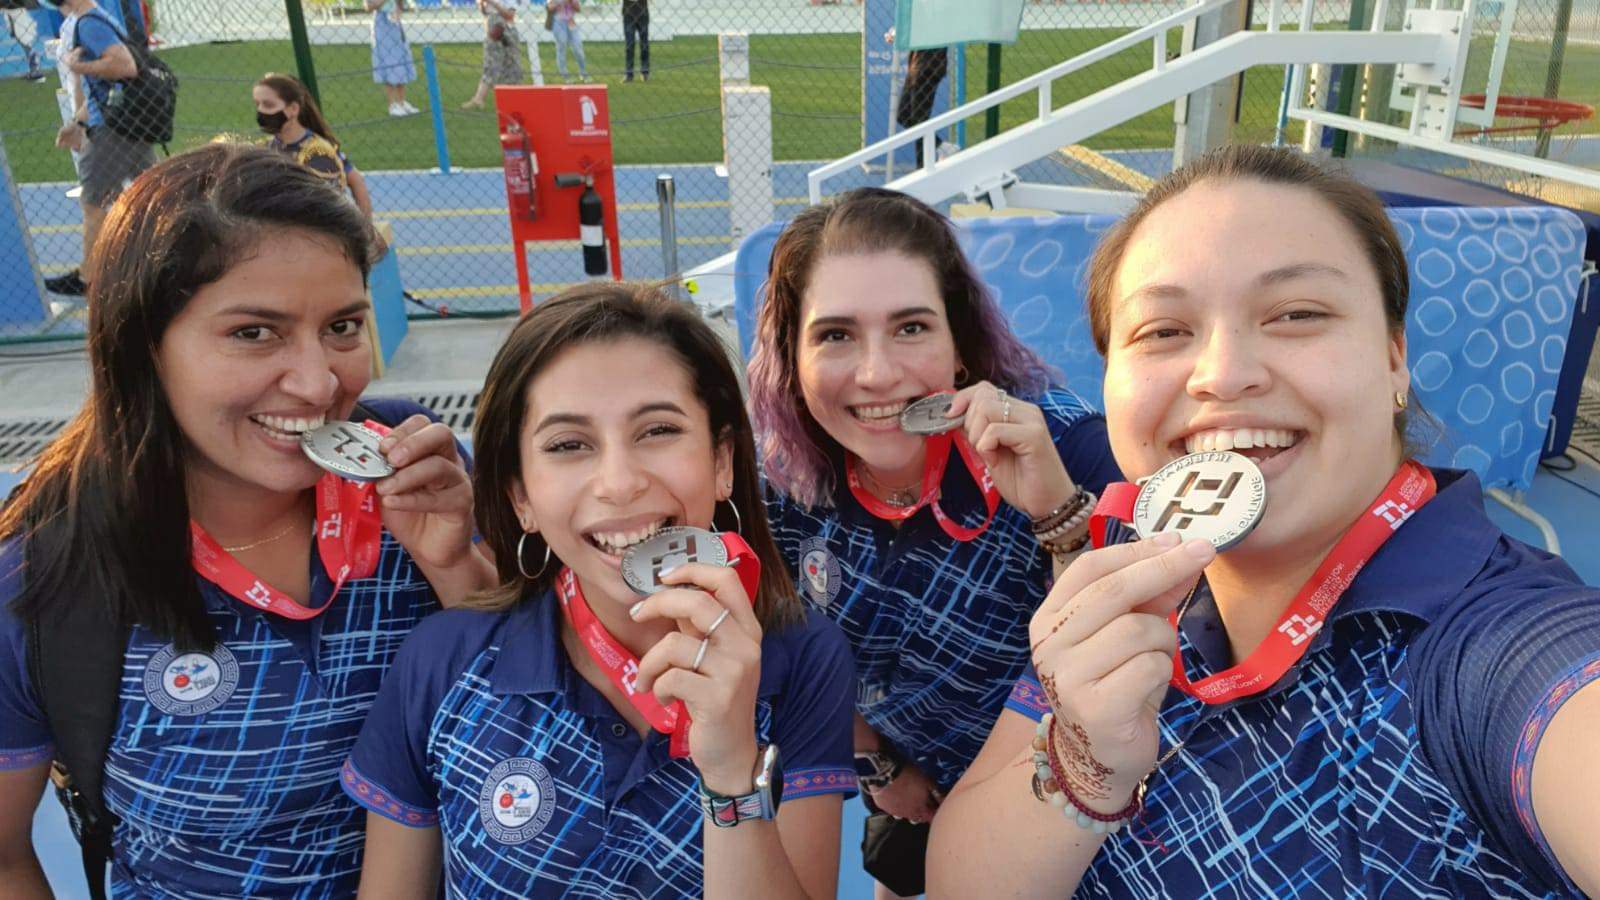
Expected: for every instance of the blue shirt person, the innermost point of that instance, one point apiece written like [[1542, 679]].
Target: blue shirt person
[[1400, 749]]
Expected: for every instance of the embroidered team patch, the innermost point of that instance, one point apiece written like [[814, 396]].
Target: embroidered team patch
[[517, 800], [819, 571], [190, 684]]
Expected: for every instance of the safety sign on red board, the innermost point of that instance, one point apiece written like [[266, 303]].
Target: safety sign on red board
[[587, 119]]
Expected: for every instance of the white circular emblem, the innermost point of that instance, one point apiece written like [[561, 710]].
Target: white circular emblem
[[190, 684], [819, 571], [517, 800], [1216, 496]]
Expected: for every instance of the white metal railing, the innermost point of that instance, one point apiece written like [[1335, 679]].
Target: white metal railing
[[1155, 32]]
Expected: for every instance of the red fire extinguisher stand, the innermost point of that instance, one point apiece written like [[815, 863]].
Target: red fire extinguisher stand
[[546, 132]]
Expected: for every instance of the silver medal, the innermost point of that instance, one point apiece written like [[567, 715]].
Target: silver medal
[[1216, 496], [348, 450], [643, 563], [927, 416]]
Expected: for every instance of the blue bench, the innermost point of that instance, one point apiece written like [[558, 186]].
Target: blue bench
[[1492, 300]]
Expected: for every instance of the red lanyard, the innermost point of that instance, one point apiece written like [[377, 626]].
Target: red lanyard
[[619, 663], [936, 457], [1410, 488], [349, 527]]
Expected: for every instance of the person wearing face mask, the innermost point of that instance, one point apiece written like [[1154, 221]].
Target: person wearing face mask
[[287, 112], [177, 564], [623, 716], [1377, 692], [903, 539]]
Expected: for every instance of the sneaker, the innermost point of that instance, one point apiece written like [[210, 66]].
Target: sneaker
[[410, 110], [628, 77], [397, 110], [69, 284], [36, 76]]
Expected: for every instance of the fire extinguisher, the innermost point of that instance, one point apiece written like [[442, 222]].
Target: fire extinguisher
[[591, 222], [521, 168]]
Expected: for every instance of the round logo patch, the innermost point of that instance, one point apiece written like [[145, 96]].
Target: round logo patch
[[819, 571], [190, 684], [517, 800]]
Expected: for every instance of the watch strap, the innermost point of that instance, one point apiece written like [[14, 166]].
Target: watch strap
[[726, 812]]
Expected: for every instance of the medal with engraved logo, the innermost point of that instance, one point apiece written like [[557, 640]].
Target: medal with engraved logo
[[928, 415], [644, 562], [348, 450], [1216, 496]]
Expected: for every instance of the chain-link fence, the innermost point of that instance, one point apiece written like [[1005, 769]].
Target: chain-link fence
[[427, 153]]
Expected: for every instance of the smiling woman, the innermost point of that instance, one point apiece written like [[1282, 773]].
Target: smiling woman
[[174, 565]]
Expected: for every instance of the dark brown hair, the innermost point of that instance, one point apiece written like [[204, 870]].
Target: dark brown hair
[[604, 312], [292, 90], [799, 456], [103, 512]]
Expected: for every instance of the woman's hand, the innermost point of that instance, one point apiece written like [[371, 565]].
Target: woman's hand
[[912, 795], [708, 603], [1103, 648], [427, 502], [1014, 441]]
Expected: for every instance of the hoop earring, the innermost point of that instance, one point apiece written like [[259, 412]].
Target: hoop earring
[[738, 520], [524, 571], [1400, 400], [961, 374]]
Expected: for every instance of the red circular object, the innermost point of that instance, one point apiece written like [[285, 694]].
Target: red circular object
[[1542, 113], [505, 801], [181, 681]]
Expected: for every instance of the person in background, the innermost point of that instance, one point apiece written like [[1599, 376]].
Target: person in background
[[287, 111], [502, 50], [562, 22], [392, 65], [94, 52], [636, 25]]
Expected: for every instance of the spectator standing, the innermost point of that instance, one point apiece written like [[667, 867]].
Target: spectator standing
[[636, 26], [96, 57], [392, 65], [561, 20], [502, 51]]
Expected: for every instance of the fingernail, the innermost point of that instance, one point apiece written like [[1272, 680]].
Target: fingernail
[[399, 456], [384, 487], [633, 611], [1167, 539], [1200, 549], [666, 572]]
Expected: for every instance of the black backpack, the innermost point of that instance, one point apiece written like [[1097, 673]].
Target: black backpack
[[143, 107], [75, 658]]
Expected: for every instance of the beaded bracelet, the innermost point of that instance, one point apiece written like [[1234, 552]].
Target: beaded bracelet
[[1050, 785], [1061, 550], [1053, 519]]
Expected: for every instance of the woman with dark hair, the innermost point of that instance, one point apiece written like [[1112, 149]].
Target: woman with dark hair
[[287, 111], [871, 306], [252, 600], [523, 747], [1376, 693]]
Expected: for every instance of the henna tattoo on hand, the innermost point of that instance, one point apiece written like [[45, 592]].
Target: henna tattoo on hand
[[1085, 774]]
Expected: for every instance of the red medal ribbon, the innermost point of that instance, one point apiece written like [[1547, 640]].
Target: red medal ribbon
[[348, 530], [1410, 488], [619, 663], [936, 456]]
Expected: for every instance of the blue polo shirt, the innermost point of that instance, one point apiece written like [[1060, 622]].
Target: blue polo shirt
[[1394, 759], [224, 767], [539, 787], [95, 34], [939, 627]]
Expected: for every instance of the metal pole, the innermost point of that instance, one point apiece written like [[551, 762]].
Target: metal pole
[[1552, 74], [1347, 79], [666, 203], [302, 48], [991, 120], [441, 144]]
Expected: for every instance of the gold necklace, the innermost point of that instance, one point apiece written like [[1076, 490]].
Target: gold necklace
[[243, 547]]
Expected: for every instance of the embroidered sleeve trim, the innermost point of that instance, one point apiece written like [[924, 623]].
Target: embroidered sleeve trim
[[25, 758], [377, 798], [818, 780], [1027, 697], [1562, 690]]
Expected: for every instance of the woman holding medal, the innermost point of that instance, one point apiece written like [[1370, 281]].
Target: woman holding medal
[[229, 605], [1378, 692], [891, 510], [643, 708]]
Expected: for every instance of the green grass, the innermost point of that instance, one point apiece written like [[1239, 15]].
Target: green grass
[[815, 82]]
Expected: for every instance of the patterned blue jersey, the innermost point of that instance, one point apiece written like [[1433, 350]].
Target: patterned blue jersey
[[540, 788], [939, 627], [1387, 763], [224, 766]]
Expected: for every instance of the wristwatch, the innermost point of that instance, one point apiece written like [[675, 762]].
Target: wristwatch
[[876, 768], [762, 803]]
